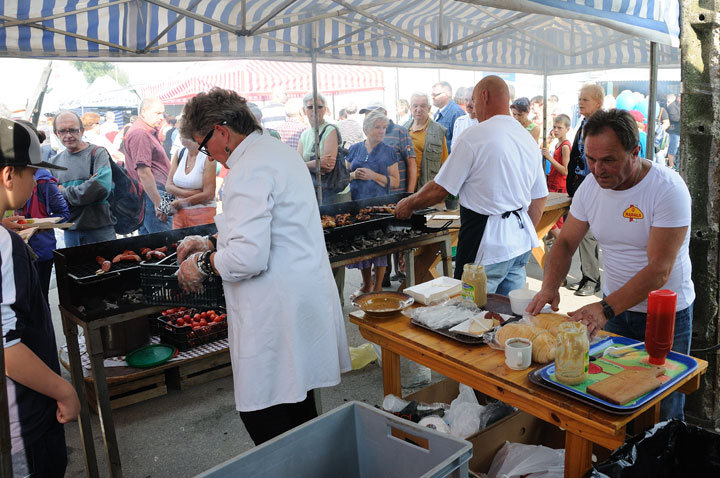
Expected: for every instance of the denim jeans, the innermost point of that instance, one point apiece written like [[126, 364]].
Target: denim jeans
[[151, 223], [508, 275], [632, 325], [89, 236]]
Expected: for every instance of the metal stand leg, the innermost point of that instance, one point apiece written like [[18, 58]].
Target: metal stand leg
[[76, 373], [95, 351], [446, 253], [410, 268]]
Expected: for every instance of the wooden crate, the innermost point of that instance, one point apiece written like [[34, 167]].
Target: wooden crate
[[129, 392], [199, 371]]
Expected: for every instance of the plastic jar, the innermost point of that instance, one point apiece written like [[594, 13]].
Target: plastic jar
[[474, 284], [571, 356]]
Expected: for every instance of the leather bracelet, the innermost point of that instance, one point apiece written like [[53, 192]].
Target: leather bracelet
[[199, 264], [205, 264], [213, 240], [607, 310]]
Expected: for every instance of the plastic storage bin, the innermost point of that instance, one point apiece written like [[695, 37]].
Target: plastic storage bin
[[160, 286], [353, 441]]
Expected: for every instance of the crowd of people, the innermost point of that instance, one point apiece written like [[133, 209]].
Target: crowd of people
[[493, 151]]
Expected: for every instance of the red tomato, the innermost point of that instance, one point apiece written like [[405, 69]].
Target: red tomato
[[203, 322], [196, 317], [172, 311], [203, 315], [212, 317], [224, 316], [22, 221], [180, 322], [218, 319], [211, 312], [186, 318]]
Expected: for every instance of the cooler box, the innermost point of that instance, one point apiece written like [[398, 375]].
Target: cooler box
[[353, 441]]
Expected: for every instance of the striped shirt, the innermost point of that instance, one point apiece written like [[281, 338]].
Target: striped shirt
[[399, 138], [25, 319]]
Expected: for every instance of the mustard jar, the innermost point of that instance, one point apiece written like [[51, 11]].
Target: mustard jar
[[474, 284]]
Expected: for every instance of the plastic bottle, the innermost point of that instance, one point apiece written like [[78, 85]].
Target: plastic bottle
[[660, 324], [571, 356], [474, 284]]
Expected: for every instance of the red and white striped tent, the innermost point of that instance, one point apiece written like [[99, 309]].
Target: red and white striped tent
[[256, 79]]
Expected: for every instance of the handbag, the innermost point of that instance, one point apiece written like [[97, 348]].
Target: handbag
[[336, 180]]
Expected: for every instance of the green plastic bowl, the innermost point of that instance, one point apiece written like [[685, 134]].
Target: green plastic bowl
[[150, 355]]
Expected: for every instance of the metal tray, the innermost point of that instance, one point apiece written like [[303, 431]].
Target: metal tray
[[495, 303], [546, 375]]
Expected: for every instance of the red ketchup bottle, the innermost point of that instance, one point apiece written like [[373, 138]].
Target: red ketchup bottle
[[660, 324]]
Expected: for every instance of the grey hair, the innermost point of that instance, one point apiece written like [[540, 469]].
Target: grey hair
[[217, 106], [419, 94], [373, 117], [68, 112], [618, 121], [146, 102], [445, 86], [596, 92], [309, 97]]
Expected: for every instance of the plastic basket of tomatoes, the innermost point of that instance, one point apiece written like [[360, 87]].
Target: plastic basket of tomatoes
[[186, 327]]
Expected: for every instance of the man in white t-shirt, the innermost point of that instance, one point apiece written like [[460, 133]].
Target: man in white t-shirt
[[495, 169], [640, 214]]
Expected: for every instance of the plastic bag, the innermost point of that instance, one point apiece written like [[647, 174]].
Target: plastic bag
[[362, 355], [445, 314], [669, 449], [515, 460], [464, 416]]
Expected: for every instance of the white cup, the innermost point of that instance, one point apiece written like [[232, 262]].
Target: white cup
[[518, 353]]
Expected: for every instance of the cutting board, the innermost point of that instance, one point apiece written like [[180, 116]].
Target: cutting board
[[627, 385]]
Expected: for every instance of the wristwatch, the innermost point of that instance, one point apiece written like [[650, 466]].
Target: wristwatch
[[607, 310], [205, 265]]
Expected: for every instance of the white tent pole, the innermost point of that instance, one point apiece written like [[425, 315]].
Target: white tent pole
[[652, 95], [313, 57]]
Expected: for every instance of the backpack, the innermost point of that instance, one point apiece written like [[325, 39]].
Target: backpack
[[126, 198], [34, 208]]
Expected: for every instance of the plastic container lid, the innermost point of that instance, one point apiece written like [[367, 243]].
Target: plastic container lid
[[150, 355]]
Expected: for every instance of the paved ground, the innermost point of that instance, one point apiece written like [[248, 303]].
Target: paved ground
[[184, 433]]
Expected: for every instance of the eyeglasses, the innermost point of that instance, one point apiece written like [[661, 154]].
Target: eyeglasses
[[435, 95], [203, 145], [63, 132], [311, 107]]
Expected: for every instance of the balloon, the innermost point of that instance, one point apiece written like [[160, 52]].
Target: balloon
[[642, 107], [625, 101]]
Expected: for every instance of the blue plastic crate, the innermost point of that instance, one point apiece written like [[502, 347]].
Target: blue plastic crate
[[353, 441]]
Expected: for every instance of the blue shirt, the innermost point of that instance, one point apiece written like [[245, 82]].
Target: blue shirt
[[379, 159], [446, 117]]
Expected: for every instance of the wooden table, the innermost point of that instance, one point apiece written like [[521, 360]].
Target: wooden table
[[556, 206], [483, 369]]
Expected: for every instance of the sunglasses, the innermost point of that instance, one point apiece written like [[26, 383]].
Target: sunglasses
[[63, 132], [203, 145]]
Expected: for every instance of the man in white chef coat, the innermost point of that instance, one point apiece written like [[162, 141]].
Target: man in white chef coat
[[495, 169], [285, 323]]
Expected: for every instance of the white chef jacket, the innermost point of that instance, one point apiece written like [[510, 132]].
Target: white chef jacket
[[496, 167], [285, 323]]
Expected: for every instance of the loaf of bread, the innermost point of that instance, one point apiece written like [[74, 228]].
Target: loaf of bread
[[549, 322], [543, 349]]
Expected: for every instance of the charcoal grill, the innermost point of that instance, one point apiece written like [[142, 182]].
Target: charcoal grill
[[90, 296]]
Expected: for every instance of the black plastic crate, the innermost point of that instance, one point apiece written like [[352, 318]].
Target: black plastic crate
[[160, 286], [184, 337]]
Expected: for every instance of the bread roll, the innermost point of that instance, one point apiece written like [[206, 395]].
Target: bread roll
[[549, 322], [543, 349], [514, 330]]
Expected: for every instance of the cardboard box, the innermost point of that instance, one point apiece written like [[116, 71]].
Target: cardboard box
[[519, 427]]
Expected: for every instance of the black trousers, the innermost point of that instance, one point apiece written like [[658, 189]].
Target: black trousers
[[264, 425], [46, 457], [44, 270]]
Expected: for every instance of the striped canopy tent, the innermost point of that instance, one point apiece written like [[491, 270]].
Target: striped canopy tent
[[256, 80], [531, 36]]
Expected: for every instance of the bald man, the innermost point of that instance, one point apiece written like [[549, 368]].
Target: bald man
[[146, 161], [496, 171]]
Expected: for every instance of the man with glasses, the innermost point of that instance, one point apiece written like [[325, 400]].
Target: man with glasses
[[85, 185], [448, 111], [146, 161], [428, 137]]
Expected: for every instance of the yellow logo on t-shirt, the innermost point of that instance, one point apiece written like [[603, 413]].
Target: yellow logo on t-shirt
[[633, 213]]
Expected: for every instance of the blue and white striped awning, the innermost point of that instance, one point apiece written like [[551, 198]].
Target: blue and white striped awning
[[534, 36]]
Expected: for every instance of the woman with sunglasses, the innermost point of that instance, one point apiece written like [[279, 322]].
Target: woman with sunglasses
[[328, 145], [285, 324]]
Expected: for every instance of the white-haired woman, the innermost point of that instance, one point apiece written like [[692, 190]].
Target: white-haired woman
[[373, 172]]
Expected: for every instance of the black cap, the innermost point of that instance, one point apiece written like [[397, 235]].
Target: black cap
[[521, 104], [19, 146]]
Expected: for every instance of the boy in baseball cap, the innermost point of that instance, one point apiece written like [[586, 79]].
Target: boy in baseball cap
[[40, 401]]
